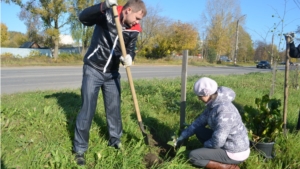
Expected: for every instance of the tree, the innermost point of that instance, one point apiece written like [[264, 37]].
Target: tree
[[4, 33], [15, 39], [218, 37], [197, 49], [183, 36], [211, 55], [158, 45], [33, 24], [153, 28], [80, 32], [220, 17], [167, 39], [261, 52], [245, 47], [51, 13], [159, 50], [15, 1]]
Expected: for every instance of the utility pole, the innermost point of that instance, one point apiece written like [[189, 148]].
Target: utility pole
[[237, 39]]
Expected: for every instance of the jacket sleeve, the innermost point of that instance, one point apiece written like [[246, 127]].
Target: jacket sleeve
[[294, 51], [130, 39], [92, 15], [130, 45], [200, 121]]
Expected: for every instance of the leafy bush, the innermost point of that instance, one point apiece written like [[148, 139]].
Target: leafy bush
[[7, 56], [264, 121], [34, 54]]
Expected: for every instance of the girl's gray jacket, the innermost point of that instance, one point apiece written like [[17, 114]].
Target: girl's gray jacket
[[229, 132]]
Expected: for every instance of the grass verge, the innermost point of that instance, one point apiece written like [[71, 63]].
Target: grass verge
[[37, 128]]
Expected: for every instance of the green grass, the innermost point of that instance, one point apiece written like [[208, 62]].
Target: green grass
[[37, 128]]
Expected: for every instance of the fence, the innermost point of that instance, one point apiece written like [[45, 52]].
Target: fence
[[25, 52]]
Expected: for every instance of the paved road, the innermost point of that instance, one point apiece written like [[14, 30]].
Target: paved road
[[24, 79]]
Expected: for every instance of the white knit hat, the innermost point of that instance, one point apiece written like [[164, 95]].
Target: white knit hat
[[205, 87]]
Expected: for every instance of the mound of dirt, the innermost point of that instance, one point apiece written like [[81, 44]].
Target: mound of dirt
[[163, 150], [151, 159]]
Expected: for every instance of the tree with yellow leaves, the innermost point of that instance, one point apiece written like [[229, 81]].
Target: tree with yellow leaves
[[183, 36], [51, 13], [4, 33]]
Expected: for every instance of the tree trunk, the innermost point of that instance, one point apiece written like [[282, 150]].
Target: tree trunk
[[84, 47], [56, 42], [286, 86], [274, 63]]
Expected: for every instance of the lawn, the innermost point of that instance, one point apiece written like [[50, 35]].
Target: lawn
[[37, 128]]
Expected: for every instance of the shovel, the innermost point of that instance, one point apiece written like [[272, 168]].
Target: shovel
[[136, 105]]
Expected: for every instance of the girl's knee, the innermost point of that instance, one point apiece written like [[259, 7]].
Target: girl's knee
[[192, 155], [196, 160]]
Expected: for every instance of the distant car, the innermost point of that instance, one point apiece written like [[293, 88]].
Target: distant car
[[263, 64]]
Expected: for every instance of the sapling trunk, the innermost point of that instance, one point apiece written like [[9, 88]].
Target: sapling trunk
[[286, 87]]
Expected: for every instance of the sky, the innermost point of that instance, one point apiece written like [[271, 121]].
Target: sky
[[257, 22]]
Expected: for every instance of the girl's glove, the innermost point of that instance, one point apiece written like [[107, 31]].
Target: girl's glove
[[178, 142]]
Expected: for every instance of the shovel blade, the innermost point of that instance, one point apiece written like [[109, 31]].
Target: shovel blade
[[145, 135]]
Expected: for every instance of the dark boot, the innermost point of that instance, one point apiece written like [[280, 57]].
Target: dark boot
[[217, 165], [79, 158]]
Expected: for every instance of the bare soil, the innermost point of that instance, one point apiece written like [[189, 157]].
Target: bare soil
[[162, 150]]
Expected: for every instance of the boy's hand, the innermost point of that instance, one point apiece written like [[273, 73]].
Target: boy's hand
[[111, 3], [127, 61]]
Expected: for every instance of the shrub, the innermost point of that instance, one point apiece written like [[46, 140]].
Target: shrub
[[7, 56], [34, 54], [264, 121]]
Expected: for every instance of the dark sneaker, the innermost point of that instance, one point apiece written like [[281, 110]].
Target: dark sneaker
[[79, 158], [119, 146]]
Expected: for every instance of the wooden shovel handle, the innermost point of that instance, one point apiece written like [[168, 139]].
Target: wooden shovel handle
[[120, 34]]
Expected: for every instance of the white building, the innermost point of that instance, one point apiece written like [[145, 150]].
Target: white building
[[66, 39]]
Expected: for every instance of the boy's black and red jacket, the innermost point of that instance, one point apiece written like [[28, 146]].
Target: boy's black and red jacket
[[104, 51], [294, 51]]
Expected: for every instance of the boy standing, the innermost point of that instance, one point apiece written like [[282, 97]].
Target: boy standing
[[101, 68]]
